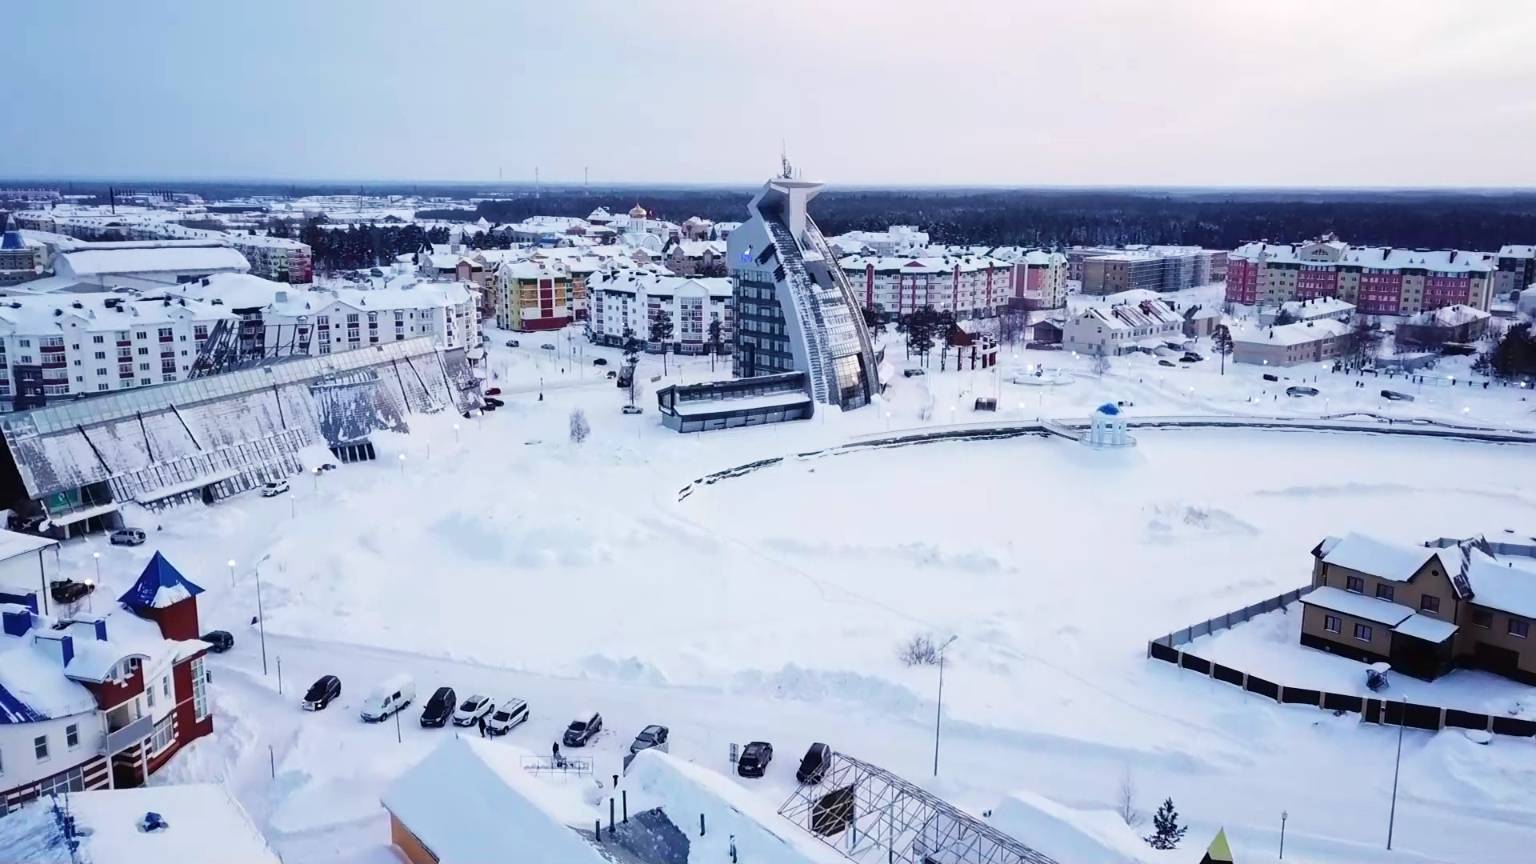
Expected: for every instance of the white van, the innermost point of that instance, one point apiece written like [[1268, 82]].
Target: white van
[[390, 696], [509, 713]]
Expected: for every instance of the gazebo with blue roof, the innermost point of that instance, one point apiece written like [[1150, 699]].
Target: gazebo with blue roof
[[1108, 428], [163, 595]]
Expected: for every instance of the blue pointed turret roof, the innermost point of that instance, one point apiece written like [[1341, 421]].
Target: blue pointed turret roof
[[11, 240], [160, 585]]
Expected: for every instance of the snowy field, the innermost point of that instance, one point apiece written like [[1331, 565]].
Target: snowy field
[[498, 556]]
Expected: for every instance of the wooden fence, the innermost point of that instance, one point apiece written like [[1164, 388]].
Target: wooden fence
[[1371, 709]]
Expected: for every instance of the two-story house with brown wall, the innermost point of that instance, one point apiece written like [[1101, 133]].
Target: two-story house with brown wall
[[1423, 609]]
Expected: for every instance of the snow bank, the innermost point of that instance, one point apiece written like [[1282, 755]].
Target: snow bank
[[1068, 835], [684, 790]]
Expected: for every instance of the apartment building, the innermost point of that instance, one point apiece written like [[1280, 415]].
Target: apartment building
[[1110, 270], [895, 240], [20, 261], [1377, 280], [1426, 609], [695, 257], [1291, 344], [277, 258], [1515, 269], [1122, 328], [632, 299], [534, 295], [58, 345], [100, 701], [970, 286], [1039, 277]]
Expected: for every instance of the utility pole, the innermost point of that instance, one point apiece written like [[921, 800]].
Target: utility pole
[[261, 622], [938, 714], [1402, 720]]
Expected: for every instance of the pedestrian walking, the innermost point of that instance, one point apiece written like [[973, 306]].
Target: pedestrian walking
[[480, 721]]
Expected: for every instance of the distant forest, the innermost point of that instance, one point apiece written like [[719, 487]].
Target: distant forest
[[1052, 218], [1480, 220]]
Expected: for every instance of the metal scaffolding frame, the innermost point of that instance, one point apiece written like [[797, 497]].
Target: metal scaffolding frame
[[871, 815]]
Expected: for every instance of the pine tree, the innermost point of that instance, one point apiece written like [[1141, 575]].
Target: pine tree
[[1166, 830], [1221, 341], [661, 331], [715, 343]]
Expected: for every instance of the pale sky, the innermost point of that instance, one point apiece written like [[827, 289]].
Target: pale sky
[[1013, 92]]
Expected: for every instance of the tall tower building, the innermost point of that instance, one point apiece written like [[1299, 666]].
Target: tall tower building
[[795, 310]]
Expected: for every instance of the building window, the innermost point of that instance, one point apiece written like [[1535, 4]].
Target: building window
[[1429, 603], [165, 686], [72, 735], [1363, 632], [1482, 618], [165, 733], [40, 747], [1384, 592], [1331, 623], [199, 691], [1355, 584], [1519, 627], [149, 696]]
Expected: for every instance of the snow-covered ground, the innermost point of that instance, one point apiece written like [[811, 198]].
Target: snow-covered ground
[[494, 555]]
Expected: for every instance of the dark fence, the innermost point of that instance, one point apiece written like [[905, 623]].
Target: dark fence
[[1227, 619], [1370, 709]]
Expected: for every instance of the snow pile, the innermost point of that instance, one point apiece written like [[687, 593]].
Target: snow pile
[[1068, 835], [684, 790]]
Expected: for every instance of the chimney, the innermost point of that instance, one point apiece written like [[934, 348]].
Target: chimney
[[16, 622], [58, 645]]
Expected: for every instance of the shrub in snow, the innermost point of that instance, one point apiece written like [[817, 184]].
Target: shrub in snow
[[579, 427], [918, 651], [1166, 830], [1125, 801]]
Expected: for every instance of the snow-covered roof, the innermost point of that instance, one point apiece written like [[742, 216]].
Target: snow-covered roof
[[694, 407], [1503, 584], [1517, 251], [658, 284], [13, 544], [1448, 316], [33, 686], [470, 801], [203, 822], [99, 311], [163, 257], [1372, 609], [1427, 628], [159, 586], [1381, 558], [1335, 253], [1316, 307], [1299, 333]]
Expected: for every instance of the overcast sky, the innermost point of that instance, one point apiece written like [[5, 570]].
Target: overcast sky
[[1012, 92]]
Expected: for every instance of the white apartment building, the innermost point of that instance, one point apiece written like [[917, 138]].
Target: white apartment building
[[73, 344], [1123, 328], [277, 258], [970, 286], [632, 299], [895, 240], [278, 320]]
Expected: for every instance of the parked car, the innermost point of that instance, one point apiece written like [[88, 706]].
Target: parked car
[[128, 537], [1301, 391], [652, 737], [1165, 362], [438, 708], [326, 466], [493, 391], [274, 488], [512, 343], [600, 361], [219, 641], [612, 374], [1194, 356], [1394, 396], [493, 403], [472, 709], [548, 346], [582, 729], [912, 373], [391, 695], [325, 690], [509, 713], [1270, 376], [1188, 359], [754, 759], [813, 766], [70, 591], [633, 409]]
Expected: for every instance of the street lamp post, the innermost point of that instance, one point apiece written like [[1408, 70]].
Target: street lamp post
[[1283, 816], [455, 433], [231, 564], [938, 714], [1402, 720], [402, 464], [261, 622], [97, 556]]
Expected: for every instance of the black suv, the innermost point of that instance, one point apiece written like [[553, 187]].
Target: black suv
[[69, 591], [439, 708], [814, 765], [754, 759], [325, 690], [219, 641], [581, 730]]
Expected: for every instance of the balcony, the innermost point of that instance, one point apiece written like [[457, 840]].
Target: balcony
[[121, 739]]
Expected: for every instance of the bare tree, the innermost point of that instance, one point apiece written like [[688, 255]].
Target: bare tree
[[579, 428], [1125, 801], [918, 651], [1100, 361]]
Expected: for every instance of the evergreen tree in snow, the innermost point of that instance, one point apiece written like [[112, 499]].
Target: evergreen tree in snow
[[1166, 830]]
